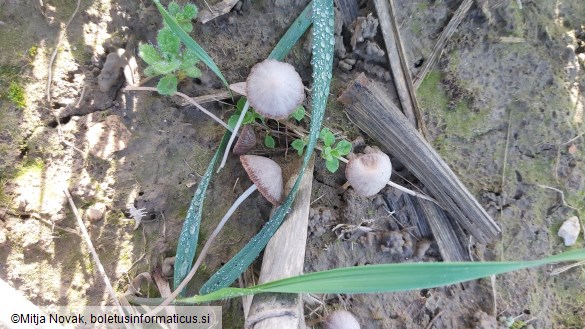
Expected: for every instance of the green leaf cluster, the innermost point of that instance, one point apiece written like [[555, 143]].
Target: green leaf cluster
[[333, 151], [170, 58], [16, 94], [250, 117]]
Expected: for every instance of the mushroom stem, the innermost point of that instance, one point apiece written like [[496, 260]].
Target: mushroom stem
[[203, 252], [233, 136]]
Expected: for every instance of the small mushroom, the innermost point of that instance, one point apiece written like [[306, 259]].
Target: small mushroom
[[369, 172], [274, 89], [246, 141], [267, 178], [341, 319]]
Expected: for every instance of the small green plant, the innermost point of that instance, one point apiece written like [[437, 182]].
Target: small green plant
[[170, 58], [331, 151], [249, 118], [33, 51], [16, 94], [299, 113]]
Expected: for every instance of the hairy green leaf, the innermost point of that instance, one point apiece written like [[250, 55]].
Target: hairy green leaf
[[167, 85], [189, 42], [149, 54], [193, 72], [168, 42]]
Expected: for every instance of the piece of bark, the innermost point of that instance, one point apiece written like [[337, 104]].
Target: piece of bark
[[349, 10], [397, 59], [442, 41], [368, 106], [284, 257], [218, 9], [444, 232]]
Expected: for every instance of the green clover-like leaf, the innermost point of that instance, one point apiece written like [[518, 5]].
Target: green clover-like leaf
[[269, 142], [150, 72], [299, 145], [343, 147], [332, 165], [149, 54], [335, 153], [167, 85], [327, 137], [299, 113], [326, 153]]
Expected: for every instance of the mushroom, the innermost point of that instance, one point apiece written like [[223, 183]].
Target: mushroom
[[274, 89], [246, 141], [341, 319], [369, 172], [267, 178]]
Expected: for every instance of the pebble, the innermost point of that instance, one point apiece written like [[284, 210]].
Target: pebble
[[570, 230], [96, 212]]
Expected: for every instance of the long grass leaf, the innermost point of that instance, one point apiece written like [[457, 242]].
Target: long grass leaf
[[323, 42], [385, 277], [189, 42], [190, 232]]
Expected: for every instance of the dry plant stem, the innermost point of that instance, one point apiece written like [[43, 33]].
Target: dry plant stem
[[233, 136], [187, 98], [94, 254], [440, 45], [203, 253], [560, 270], [54, 55]]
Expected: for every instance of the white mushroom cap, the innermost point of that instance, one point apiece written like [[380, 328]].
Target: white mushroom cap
[[267, 176], [369, 173], [274, 89], [341, 319]]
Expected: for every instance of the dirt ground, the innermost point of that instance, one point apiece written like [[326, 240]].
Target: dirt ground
[[504, 108]]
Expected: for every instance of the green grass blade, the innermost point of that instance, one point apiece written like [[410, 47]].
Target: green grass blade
[[385, 277], [189, 42], [293, 34], [190, 232], [323, 42]]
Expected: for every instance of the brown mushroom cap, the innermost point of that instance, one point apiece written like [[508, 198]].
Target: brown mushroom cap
[[267, 176], [369, 173], [274, 89], [246, 140]]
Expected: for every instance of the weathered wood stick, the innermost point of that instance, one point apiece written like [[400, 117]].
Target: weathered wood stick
[[397, 61], [442, 41], [284, 257], [449, 243], [368, 106]]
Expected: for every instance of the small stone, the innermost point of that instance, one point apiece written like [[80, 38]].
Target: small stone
[[96, 212], [570, 230]]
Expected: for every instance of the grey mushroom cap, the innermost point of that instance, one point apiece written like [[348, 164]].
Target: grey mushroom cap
[[369, 173], [267, 176], [246, 140], [341, 319], [274, 89]]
